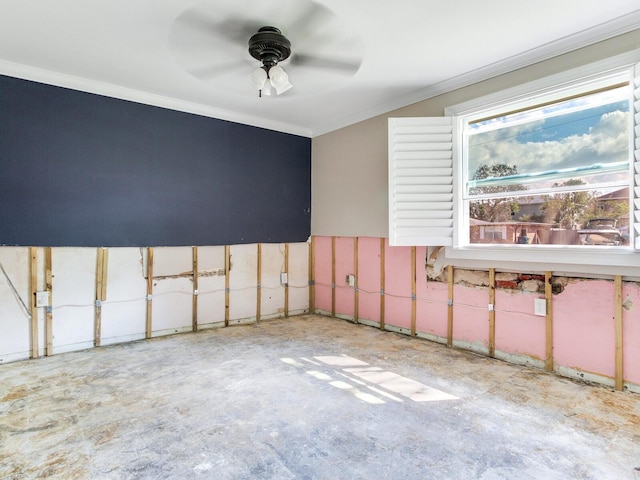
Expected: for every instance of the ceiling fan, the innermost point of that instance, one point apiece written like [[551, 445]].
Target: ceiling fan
[[270, 47], [211, 40]]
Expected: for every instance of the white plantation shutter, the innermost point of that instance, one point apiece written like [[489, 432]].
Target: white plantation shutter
[[634, 218], [421, 181]]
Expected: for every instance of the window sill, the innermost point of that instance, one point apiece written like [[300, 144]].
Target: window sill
[[564, 260]]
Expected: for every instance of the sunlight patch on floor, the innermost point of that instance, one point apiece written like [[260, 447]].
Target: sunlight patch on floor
[[393, 382], [382, 383]]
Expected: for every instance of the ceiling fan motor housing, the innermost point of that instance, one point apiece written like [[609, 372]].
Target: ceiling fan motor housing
[[269, 46]]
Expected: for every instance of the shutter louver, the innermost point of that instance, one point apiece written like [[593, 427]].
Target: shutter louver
[[421, 181], [635, 217]]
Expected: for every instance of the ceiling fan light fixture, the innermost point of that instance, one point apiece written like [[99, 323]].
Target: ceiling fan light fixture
[[258, 78], [266, 89], [279, 79]]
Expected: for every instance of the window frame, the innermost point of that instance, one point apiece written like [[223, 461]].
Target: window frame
[[561, 258]]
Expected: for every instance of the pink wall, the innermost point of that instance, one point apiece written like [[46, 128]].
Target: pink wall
[[432, 309], [397, 286], [322, 267], [518, 331], [631, 332], [345, 294], [431, 300], [369, 279], [471, 315], [584, 328], [583, 314]]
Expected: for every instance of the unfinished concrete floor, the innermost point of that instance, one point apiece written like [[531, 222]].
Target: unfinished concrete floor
[[302, 398]]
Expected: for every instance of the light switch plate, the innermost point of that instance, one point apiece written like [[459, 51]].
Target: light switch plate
[[540, 306]]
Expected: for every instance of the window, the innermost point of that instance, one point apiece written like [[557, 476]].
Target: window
[[546, 173], [544, 168]]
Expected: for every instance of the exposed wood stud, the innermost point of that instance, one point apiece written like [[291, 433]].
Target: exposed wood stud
[[227, 270], [194, 305], [355, 274], [450, 306], [618, 320], [149, 325], [33, 288], [259, 283], [548, 322], [312, 276], [413, 291], [382, 283], [286, 285], [492, 312], [48, 261], [105, 272], [101, 289], [333, 276]]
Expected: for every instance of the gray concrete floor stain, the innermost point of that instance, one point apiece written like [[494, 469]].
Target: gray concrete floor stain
[[307, 397]]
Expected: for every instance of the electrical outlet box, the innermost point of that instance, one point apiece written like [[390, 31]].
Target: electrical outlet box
[[284, 278], [540, 306], [42, 299], [351, 280]]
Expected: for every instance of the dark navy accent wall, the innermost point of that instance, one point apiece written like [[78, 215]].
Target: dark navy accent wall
[[78, 169]]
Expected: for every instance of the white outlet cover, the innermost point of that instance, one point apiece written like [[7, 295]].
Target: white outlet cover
[[42, 299], [540, 306]]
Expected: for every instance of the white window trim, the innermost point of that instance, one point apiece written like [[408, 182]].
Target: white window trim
[[598, 261]]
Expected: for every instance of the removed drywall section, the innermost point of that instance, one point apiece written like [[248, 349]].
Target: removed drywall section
[[579, 334], [344, 266], [471, 323], [172, 290], [73, 302], [323, 275], [75, 277], [431, 303], [124, 309], [398, 288], [631, 331], [271, 288], [369, 280], [298, 278], [15, 304], [520, 335], [211, 280], [243, 285], [172, 262], [585, 338]]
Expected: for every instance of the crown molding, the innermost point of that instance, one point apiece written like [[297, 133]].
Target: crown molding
[[584, 38], [123, 93]]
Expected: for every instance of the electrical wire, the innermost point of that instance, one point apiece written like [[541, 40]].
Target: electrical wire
[[179, 292], [15, 292], [428, 301]]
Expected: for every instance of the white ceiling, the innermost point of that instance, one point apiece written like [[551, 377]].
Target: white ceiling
[[177, 53]]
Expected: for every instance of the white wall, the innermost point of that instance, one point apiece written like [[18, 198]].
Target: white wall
[[123, 311], [14, 318]]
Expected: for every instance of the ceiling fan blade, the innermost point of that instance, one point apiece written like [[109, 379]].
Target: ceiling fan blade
[[197, 22], [339, 65], [311, 18], [209, 72]]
